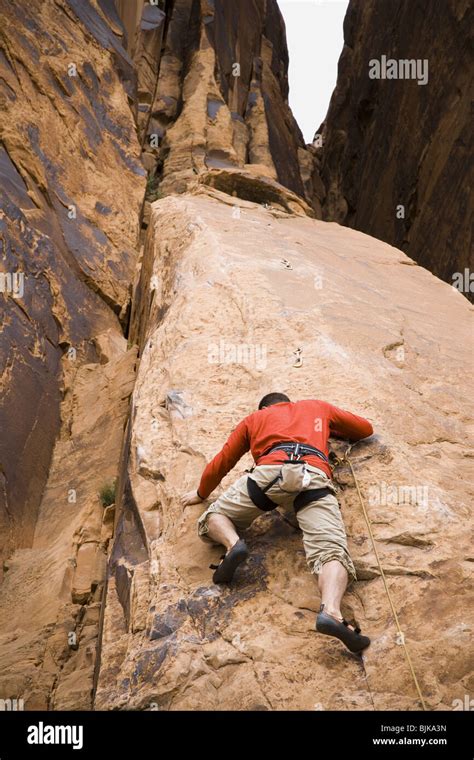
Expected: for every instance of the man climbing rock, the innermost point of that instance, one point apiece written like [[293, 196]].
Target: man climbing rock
[[289, 443]]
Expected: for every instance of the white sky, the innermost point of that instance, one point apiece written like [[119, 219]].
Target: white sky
[[315, 39]]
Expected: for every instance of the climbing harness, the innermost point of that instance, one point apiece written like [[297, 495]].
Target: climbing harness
[[263, 502], [341, 460], [294, 452]]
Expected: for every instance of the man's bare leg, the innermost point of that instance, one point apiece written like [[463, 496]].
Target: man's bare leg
[[332, 583], [222, 530]]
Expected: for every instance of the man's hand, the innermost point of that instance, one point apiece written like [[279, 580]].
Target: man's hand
[[190, 498]]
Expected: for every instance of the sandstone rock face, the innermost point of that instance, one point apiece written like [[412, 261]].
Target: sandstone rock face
[[107, 599], [217, 97], [51, 593], [71, 191], [391, 142], [237, 300], [71, 188]]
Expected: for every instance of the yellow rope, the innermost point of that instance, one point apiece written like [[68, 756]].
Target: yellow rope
[[345, 458]]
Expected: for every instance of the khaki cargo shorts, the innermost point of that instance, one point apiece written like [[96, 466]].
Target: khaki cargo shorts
[[324, 535]]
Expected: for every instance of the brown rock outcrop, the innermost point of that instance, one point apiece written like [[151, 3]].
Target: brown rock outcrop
[[71, 190], [392, 143], [107, 599], [51, 593], [218, 327], [218, 95]]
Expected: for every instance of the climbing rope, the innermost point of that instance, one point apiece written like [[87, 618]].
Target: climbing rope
[[340, 460]]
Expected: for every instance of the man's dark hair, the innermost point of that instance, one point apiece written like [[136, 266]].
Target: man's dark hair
[[272, 398]]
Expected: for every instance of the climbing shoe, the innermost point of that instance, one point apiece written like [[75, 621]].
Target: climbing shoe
[[224, 572], [326, 623]]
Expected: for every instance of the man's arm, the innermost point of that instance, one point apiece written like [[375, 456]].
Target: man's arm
[[347, 425], [233, 449]]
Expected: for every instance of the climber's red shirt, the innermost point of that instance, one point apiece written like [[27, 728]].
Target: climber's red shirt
[[308, 421]]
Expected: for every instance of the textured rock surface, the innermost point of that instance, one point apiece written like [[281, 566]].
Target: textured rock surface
[[51, 592], [71, 192], [221, 96], [71, 188], [218, 328], [389, 141], [235, 290]]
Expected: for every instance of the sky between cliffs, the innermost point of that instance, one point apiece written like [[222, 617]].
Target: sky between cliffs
[[315, 39]]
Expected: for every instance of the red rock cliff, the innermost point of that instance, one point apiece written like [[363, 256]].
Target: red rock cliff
[[111, 404]]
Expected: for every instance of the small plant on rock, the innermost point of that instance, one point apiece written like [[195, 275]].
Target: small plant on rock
[[153, 193], [107, 494]]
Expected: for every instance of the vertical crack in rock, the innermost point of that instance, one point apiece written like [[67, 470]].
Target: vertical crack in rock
[[72, 186]]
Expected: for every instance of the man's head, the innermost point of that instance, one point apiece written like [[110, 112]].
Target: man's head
[[272, 398]]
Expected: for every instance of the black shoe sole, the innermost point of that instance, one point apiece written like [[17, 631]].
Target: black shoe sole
[[355, 642], [228, 566]]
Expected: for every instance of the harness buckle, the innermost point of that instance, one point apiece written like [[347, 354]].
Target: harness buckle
[[295, 455]]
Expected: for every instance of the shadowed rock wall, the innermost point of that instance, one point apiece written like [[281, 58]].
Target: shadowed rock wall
[[391, 143], [71, 190]]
